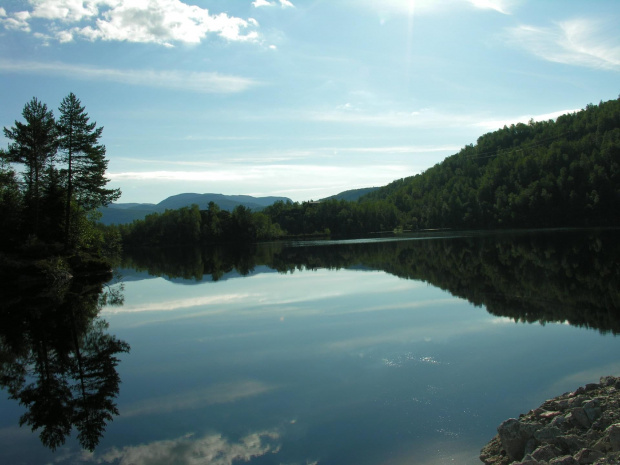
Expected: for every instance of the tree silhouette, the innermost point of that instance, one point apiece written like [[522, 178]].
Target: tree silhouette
[[85, 162], [34, 144]]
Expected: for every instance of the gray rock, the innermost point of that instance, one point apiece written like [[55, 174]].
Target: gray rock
[[588, 456], [613, 433], [593, 409], [548, 433], [560, 422], [564, 460], [528, 460], [572, 443], [546, 453], [514, 436], [575, 428], [579, 417]]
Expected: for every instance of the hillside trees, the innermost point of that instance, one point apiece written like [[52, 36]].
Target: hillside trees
[[541, 174]]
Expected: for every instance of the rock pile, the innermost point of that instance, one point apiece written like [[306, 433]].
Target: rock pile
[[576, 428]]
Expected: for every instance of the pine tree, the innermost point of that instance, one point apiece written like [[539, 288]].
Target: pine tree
[[34, 144], [85, 162]]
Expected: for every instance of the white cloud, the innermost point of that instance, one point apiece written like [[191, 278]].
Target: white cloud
[[17, 21], [493, 125], [501, 6], [66, 10], [418, 118], [203, 82], [263, 3], [579, 42], [158, 21], [267, 174], [418, 7]]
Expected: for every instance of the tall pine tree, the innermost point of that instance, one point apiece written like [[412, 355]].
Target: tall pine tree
[[34, 145], [85, 163]]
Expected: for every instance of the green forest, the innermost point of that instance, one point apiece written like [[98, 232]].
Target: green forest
[[562, 173]]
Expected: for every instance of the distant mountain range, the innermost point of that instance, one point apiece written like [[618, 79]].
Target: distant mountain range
[[121, 213]]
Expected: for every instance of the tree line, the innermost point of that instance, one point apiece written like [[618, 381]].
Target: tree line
[[542, 174], [52, 202]]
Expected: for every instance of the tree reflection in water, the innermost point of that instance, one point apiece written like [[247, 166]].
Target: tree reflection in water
[[530, 276], [58, 360]]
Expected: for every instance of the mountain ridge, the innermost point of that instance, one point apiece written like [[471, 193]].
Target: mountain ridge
[[122, 213]]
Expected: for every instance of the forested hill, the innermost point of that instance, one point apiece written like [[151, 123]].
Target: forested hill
[[553, 173]]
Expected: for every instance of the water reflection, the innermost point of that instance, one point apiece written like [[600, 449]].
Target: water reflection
[[212, 449], [58, 360], [552, 276]]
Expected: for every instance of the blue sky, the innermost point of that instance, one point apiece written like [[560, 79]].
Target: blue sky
[[301, 98]]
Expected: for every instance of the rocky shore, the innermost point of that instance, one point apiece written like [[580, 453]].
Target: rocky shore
[[581, 427]]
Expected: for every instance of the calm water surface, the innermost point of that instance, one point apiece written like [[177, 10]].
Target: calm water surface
[[363, 352]]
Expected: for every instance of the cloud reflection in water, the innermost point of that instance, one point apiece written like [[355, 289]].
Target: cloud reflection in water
[[212, 449], [185, 400]]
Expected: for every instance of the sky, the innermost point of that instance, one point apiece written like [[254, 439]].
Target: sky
[[301, 98]]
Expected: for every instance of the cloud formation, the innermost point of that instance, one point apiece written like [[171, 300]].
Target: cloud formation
[[578, 42], [164, 22], [203, 82]]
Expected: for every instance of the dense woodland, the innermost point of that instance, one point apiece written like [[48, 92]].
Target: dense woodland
[[542, 174]]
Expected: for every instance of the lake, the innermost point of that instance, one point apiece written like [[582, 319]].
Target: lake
[[402, 350]]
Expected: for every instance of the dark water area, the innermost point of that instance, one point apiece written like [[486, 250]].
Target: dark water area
[[395, 351]]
